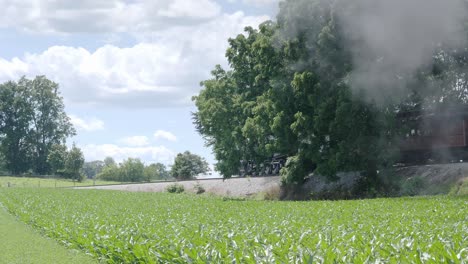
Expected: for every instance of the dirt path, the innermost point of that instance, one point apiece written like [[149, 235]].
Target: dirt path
[[230, 187]]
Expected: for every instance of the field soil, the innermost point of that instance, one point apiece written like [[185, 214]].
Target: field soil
[[438, 178]]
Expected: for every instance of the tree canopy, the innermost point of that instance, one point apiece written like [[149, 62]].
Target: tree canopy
[[130, 170], [32, 121], [292, 89], [73, 164], [188, 165]]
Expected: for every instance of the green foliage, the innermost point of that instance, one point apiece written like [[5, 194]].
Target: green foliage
[[294, 171], [57, 158], [198, 188], [156, 171], [50, 123], [92, 169], [110, 173], [109, 161], [73, 164], [412, 186], [290, 90], [166, 228], [15, 119], [132, 170], [264, 106], [188, 165], [175, 188], [3, 169], [461, 188], [22, 244], [32, 121]]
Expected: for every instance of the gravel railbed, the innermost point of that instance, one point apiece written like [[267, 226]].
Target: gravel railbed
[[238, 187]]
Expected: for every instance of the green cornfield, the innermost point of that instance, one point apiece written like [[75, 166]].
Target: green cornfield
[[122, 227]]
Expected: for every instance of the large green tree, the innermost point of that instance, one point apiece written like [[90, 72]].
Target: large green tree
[[187, 165], [74, 163], [304, 87], [156, 171], [50, 124], [132, 170], [15, 125], [32, 120], [235, 107], [57, 158]]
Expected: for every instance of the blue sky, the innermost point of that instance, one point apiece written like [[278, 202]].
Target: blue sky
[[126, 68]]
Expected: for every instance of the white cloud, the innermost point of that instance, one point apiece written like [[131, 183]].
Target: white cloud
[[59, 16], [135, 141], [161, 134], [92, 124], [148, 154], [163, 71], [190, 8], [261, 2]]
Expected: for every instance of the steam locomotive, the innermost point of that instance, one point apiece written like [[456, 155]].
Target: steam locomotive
[[437, 136], [270, 167]]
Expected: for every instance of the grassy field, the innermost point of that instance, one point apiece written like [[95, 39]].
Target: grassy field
[[6, 181], [121, 227], [21, 244]]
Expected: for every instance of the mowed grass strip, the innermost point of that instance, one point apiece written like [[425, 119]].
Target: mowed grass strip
[[21, 244], [29, 182]]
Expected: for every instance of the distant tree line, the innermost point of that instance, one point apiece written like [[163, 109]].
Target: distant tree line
[[130, 170], [34, 128], [289, 91], [33, 132], [186, 166]]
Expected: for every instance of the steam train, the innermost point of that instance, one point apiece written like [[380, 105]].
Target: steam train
[[437, 136], [270, 167], [433, 137]]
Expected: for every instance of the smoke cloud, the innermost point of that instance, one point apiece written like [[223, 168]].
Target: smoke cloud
[[391, 39]]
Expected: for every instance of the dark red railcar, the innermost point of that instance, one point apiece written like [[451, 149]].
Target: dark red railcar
[[434, 136]]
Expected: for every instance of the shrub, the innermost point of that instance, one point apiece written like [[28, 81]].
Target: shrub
[[412, 186], [198, 188], [175, 188], [272, 194], [461, 188]]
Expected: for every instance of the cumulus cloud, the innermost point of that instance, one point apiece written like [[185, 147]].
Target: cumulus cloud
[[88, 125], [148, 154], [261, 2], [164, 70], [161, 134], [57, 16], [135, 141]]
